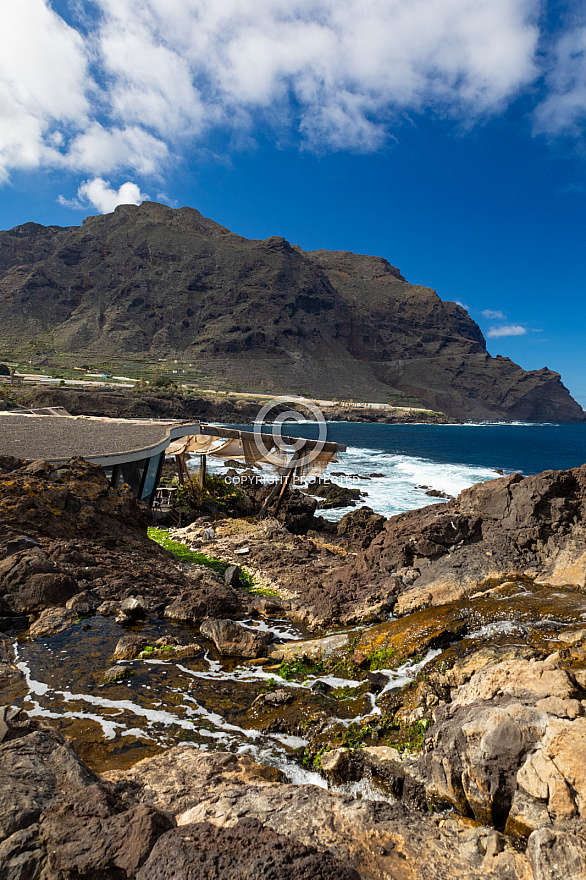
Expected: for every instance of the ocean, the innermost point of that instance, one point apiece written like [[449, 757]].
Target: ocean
[[448, 458]]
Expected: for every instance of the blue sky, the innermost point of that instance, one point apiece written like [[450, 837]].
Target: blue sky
[[444, 135]]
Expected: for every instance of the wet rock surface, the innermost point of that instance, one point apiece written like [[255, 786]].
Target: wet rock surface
[[455, 707], [232, 639]]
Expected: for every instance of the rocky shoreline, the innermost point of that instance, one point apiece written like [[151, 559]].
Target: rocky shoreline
[[177, 404], [426, 675]]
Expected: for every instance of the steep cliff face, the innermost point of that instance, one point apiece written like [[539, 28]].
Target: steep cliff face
[[165, 282]]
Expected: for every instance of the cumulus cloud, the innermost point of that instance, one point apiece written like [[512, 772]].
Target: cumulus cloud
[[98, 194], [493, 315], [134, 84], [43, 80], [506, 330], [137, 82]]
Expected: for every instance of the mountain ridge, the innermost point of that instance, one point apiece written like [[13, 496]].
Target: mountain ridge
[[171, 283]]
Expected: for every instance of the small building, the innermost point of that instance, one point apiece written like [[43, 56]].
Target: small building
[[130, 450]]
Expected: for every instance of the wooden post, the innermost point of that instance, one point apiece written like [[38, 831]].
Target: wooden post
[[179, 469], [202, 470], [286, 483], [286, 480]]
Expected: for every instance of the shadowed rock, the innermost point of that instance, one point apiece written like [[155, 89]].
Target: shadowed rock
[[247, 849]]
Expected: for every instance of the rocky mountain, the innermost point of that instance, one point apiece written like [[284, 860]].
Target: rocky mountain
[[156, 282]]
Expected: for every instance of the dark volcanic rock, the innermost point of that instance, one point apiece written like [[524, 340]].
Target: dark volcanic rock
[[94, 834], [360, 527], [155, 280], [58, 820], [246, 850], [206, 597], [510, 526], [86, 532], [29, 581], [34, 769], [21, 543], [334, 495]]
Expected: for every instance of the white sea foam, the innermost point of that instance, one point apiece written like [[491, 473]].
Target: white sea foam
[[398, 490]]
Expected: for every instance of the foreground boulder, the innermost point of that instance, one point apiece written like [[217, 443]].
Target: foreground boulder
[[246, 849], [235, 640], [64, 530], [510, 749], [206, 596]]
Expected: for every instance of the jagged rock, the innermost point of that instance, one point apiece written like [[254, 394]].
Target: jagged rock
[[269, 605], [232, 576], [557, 854], [21, 543], [34, 770], [22, 855], [510, 747], [95, 834], [129, 647], [29, 582], [133, 608], [297, 513], [235, 640], [334, 495], [465, 667], [204, 598], [493, 530], [523, 679], [84, 603], [360, 527]]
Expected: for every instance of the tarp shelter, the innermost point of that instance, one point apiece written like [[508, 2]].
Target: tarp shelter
[[309, 458]]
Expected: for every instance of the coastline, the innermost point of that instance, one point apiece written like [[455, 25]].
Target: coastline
[[139, 403]]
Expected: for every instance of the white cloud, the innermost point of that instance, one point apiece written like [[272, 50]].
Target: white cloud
[[139, 81], [338, 69], [563, 111], [506, 330], [43, 79], [98, 193], [102, 150], [493, 315]]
